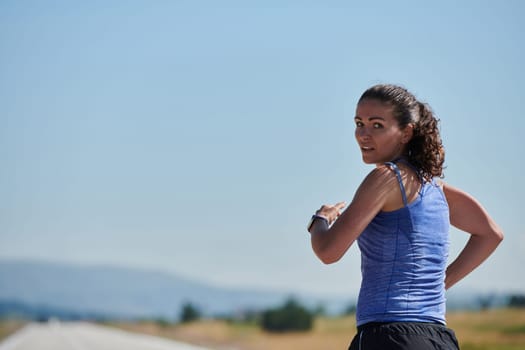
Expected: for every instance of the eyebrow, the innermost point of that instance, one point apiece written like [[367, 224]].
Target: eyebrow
[[370, 118]]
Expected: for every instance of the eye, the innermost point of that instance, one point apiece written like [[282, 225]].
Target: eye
[[358, 123], [378, 126]]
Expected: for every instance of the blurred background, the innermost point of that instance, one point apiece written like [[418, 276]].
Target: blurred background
[[160, 153]]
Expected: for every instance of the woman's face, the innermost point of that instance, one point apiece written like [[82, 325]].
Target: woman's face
[[378, 134]]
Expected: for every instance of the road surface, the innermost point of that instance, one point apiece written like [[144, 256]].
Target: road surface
[[85, 336]]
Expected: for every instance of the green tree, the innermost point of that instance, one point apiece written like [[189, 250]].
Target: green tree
[[292, 316], [517, 300], [189, 313]]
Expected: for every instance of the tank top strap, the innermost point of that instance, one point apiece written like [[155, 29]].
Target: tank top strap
[[394, 167]]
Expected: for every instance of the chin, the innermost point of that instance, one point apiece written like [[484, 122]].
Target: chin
[[375, 161], [368, 160]]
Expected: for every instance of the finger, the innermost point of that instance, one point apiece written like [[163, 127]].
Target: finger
[[323, 208], [340, 205]]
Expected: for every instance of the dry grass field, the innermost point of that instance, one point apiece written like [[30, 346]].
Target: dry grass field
[[9, 327], [487, 330], [491, 329]]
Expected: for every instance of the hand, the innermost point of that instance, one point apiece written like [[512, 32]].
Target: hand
[[331, 212]]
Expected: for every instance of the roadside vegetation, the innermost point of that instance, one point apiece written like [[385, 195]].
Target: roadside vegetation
[[293, 326], [494, 329]]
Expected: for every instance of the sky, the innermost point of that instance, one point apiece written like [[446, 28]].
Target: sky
[[198, 137]]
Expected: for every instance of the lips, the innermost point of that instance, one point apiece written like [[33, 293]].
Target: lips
[[366, 149]]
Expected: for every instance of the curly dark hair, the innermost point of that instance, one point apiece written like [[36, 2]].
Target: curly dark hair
[[425, 150]]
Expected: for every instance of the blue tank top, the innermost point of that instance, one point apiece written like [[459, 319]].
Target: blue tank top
[[403, 260]]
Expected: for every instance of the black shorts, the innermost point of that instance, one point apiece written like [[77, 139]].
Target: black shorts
[[404, 336]]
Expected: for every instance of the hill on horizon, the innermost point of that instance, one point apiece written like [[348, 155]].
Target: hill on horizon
[[126, 292], [104, 291]]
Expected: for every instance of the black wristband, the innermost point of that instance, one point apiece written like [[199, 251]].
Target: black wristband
[[315, 217]]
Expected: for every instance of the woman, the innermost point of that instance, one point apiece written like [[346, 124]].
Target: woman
[[400, 217]]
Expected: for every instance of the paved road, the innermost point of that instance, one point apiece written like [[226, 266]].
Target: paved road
[[85, 336]]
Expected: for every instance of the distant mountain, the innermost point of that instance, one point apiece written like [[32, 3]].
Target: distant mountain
[[35, 289], [120, 292]]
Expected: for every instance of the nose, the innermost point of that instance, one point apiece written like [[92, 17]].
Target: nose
[[362, 134]]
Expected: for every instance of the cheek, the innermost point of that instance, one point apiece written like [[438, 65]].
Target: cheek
[[390, 140], [395, 136]]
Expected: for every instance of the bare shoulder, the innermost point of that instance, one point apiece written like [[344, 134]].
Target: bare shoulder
[[462, 205], [467, 213], [379, 182], [381, 176], [453, 193], [369, 199]]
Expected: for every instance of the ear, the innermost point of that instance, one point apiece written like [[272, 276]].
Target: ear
[[408, 132]]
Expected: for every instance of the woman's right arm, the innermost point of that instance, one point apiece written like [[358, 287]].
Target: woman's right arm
[[467, 214], [330, 242]]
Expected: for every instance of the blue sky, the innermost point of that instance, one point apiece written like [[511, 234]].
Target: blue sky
[[198, 138]]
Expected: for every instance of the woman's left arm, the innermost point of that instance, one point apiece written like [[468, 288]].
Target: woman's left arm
[[467, 214]]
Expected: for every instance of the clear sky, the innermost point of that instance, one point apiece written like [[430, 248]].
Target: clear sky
[[199, 138]]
